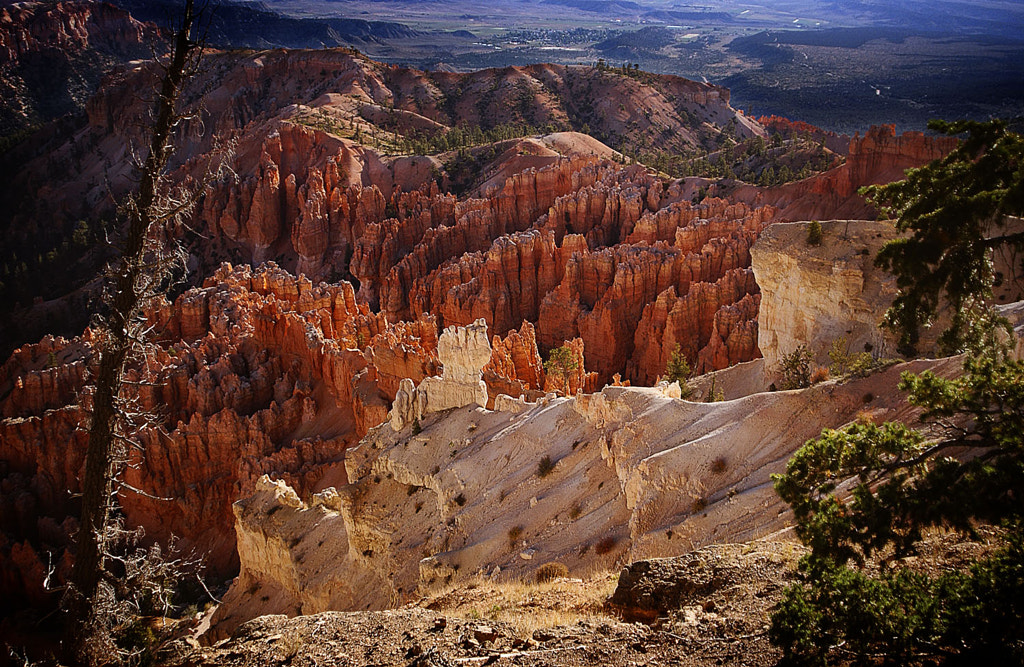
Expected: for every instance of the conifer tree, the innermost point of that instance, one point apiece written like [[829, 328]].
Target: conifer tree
[[957, 210], [140, 274]]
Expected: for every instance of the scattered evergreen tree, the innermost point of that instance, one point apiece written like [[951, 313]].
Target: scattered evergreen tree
[[678, 370], [956, 210], [869, 491], [561, 363], [814, 234], [796, 368]]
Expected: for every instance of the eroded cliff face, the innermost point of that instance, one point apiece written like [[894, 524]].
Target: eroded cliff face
[[621, 262], [636, 473], [53, 56], [880, 156], [814, 295], [833, 292], [257, 372], [319, 178], [231, 409]]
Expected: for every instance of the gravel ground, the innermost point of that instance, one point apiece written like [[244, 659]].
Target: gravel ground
[[720, 620]]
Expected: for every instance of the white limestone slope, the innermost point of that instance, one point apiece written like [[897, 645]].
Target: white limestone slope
[[637, 474], [813, 295], [446, 489]]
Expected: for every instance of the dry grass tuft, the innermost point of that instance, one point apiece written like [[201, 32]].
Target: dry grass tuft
[[605, 545], [545, 466], [550, 571], [525, 605]]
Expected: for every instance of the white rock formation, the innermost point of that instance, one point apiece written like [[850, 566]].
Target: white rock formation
[[299, 559], [463, 352], [813, 295], [636, 474]]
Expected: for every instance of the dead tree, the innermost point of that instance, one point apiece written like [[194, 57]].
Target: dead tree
[[138, 276]]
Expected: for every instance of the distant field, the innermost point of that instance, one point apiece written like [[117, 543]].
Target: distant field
[[840, 78], [841, 65]]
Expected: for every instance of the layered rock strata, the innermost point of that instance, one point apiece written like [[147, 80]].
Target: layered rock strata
[[591, 482], [676, 274], [880, 156], [815, 295]]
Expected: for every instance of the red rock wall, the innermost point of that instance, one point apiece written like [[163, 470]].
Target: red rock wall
[[70, 27], [573, 278], [514, 207], [880, 156], [256, 372]]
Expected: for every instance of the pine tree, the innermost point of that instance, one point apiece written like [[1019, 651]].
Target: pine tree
[[956, 210], [140, 274], [678, 370], [561, 363], [871, 491]]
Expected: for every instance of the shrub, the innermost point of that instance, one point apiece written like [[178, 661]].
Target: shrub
[[719, 465], [863, 364], [814, 233], [796, 369], [575, 512], [839, 356], [551, 571], [820, 374], [605, 545], [869, 491], [514, 533], [699, 505], [545, 466], [460, 499]]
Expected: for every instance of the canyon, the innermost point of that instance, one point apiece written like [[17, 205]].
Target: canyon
[[351, 391]]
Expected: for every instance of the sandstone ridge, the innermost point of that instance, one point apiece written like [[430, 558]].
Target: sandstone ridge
[[591, 482]]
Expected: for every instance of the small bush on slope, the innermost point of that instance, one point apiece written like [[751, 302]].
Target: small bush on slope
[[900, 483]]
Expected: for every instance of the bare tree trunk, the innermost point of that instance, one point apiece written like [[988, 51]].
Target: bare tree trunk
[[119, 339]]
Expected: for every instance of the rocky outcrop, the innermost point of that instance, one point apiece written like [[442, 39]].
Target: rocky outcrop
[[53, 56], [515, 368], [288, 549], [631, 473], [814, 295], [463, 352], [880, 156], [650, 589]]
